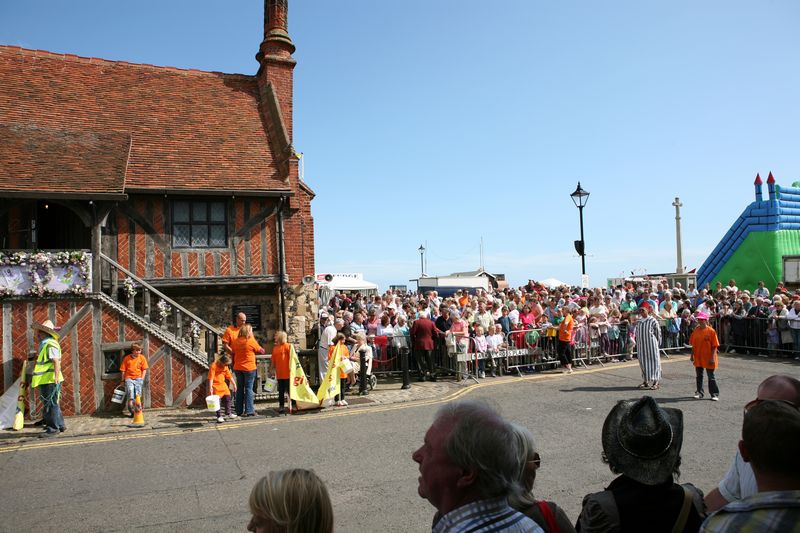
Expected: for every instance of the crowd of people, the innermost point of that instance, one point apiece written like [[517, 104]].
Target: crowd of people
[[478, 469], [642, 318], [554, 325]]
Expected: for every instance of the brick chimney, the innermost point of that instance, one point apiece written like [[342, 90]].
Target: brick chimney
[[275, 58]]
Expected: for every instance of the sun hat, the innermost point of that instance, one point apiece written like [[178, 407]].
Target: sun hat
[[642, 440], [46, 326], [701, 315]]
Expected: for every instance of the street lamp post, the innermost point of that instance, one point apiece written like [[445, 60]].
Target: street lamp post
[[580, 197], [421, 261]]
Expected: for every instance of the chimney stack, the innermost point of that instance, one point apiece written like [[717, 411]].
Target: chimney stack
[[275, 58]]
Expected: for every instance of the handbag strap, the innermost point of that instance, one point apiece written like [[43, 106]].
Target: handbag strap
[[680, 523], [549, 516]]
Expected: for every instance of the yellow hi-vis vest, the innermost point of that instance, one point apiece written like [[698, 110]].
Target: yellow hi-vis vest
[[45, 370]]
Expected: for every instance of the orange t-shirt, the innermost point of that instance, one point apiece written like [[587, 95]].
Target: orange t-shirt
[[133, 367], [280, 360], [217, 374], [244, 353], [231, 332], [565, 329], [345, 354], [704, 342]]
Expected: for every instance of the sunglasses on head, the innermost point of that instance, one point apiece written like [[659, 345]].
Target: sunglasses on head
[[536, 462]]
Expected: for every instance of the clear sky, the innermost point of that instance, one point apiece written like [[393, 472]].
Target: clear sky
[[444, 121]]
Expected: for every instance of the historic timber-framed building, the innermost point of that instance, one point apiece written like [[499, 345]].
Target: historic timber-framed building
[[175, 194]]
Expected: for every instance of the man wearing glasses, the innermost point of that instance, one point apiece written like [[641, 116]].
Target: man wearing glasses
[[740, 482]]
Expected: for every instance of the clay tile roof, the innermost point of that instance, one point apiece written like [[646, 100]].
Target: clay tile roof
[[70, 163], [188, 129]]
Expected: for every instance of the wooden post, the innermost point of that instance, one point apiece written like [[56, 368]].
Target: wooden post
[[114, 275], [97, 265], [178, 325], [146, 304]]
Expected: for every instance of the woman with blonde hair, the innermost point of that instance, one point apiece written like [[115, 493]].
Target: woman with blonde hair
[[279, 367], [245, 347], [292, 501], [355, 357]]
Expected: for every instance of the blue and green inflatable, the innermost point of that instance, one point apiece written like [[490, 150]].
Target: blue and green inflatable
[[754, 247]]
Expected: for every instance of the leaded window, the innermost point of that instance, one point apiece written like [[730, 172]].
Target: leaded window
[[199, 224]]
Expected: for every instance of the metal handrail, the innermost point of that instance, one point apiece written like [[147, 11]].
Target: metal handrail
[[160, 294]]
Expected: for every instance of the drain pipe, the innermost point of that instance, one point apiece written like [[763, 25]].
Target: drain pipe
[[282, 261]]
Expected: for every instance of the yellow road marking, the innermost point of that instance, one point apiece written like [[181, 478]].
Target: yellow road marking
[[25, 446]]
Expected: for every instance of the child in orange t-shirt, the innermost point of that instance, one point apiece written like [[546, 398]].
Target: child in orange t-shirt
[[279, 367], [218, 376], [705, 354], [134, 370]]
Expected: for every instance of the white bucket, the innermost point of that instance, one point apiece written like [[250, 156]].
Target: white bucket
[[119, 395], [270, 385], [212, 402]]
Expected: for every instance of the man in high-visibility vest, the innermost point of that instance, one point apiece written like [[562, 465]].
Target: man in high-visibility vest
[[47, 377]]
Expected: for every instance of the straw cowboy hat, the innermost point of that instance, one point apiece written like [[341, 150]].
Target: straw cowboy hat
[[642, 440], [46, 326]]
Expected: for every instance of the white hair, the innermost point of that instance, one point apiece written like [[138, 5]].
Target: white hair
[[482, 440]]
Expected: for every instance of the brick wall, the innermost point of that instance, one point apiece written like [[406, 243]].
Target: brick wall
[[144, 240], [78, 352]]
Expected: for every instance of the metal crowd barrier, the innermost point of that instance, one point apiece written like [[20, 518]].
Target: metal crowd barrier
[[756, 336], [386, 354], [536, 349]]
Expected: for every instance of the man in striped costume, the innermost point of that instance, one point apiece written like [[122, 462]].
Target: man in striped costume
[[648, 340]]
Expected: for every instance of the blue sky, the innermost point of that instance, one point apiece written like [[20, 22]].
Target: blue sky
[[445, 121]]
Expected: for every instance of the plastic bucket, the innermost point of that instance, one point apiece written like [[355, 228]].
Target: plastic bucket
[[119, 395], [212, 402], [270, 385]]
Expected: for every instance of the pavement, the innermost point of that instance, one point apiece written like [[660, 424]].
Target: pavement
[[388, 391]]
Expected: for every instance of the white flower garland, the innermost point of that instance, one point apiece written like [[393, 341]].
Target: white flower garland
[[40, 270], [164, 309], [130, 287], [194, 329]]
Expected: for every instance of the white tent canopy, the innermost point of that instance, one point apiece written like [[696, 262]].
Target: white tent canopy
[[351, 284], [552, 283], [345, 281]]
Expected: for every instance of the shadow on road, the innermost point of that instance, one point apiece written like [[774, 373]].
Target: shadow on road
[[679, 399], [599, 389]]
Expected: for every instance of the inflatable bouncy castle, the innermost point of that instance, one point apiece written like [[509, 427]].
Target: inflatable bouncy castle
[[764, 238]]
